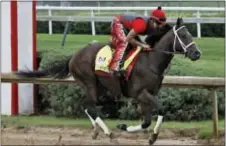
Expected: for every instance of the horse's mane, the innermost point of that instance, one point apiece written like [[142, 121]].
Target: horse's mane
[[153, 38]]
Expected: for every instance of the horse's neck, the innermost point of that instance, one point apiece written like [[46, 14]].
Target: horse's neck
[[162, 60]]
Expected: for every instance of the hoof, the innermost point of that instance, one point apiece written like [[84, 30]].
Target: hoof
[[96, 131], [113, 139], [94, 136], [122, 127], [112, 135], [153, 138]]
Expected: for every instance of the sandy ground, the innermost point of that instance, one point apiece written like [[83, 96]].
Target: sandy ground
[[75, 136]]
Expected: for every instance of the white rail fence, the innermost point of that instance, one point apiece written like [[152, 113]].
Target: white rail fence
[[92, 18]]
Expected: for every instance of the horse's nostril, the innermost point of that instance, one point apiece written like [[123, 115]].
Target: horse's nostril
[[197, 54]]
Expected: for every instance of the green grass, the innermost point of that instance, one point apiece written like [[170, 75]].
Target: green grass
[[73, 42], [85, 123], [210, 64]]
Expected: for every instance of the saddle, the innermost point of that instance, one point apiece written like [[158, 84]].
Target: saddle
[[104, 57]]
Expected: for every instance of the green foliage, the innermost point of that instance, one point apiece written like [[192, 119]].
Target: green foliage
[[81, 28], [63, 100], [185, 104], [207, 30], [128, 111], [181, 105]]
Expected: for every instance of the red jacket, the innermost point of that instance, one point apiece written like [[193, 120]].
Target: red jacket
[[141, 25]]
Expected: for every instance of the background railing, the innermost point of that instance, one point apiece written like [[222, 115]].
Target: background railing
[[93, 14]]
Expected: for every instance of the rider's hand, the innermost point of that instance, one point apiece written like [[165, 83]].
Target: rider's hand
[[146, 47]]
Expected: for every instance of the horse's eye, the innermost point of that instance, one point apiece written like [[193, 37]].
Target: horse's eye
[[183, 35]]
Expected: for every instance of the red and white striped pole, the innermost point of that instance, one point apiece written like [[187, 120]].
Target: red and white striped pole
[[18, 52]]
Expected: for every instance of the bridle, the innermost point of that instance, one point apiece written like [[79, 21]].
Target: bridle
[[178, 38], [185, 47]]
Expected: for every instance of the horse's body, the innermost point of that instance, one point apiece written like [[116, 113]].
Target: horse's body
[[143, 85]]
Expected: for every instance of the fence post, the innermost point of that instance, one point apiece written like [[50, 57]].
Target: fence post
[[215, 113], [50, 22], [145, 13], [67, 28], [198, 26], [93, 23]]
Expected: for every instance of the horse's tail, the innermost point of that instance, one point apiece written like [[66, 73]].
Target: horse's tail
[[60, 70]]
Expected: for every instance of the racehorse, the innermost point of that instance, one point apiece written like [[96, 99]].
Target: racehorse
[[142, 81]]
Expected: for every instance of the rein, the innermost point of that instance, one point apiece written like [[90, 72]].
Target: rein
[[166, 52]]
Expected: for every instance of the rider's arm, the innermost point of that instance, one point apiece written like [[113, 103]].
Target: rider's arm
[[139, 26], [131, 39]]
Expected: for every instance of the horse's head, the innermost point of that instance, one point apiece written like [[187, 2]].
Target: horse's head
[[183, 42], [179, 38]]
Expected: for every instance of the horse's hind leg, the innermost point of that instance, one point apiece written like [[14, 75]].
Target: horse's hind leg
[[95, 126], [89, 103], [99, 123], [91, 111], [90, 107]]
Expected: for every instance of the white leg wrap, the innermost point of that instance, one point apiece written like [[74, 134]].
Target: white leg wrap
[[102, 125], [91, 119], [158, 124], [134, 128]]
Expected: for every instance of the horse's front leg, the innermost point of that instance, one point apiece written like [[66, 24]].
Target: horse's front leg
[[157, 127], [145, 104], [141, 127]]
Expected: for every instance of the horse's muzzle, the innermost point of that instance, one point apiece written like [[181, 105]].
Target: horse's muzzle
[[195, 55]]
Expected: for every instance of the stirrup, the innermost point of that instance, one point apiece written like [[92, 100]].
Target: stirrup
[[115, 73]]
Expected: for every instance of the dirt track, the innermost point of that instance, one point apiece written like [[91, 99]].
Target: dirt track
[[75, 136]]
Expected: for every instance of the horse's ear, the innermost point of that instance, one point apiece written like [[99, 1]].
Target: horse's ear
[[179, 22]]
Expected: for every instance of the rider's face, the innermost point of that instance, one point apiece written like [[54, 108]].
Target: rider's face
[[154, 24], [160, 25]]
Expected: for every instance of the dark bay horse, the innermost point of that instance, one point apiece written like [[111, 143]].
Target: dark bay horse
[[143, 85]]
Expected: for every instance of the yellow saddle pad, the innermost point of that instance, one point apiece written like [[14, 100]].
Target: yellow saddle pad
[[104, 57]]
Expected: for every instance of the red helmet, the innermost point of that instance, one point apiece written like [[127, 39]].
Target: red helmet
[[159, 15]]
